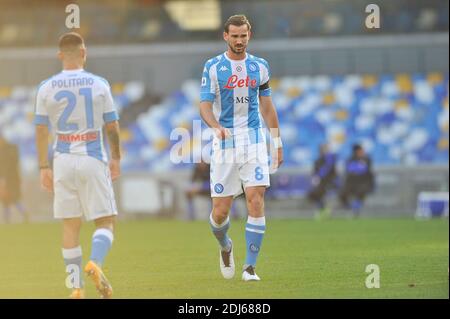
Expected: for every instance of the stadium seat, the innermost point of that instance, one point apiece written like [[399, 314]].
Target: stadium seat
[[399, 118]]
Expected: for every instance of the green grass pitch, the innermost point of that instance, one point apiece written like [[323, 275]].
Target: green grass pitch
[[299, 259]]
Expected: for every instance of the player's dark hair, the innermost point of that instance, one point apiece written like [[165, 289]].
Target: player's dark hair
[[70, 41], [236, 20]]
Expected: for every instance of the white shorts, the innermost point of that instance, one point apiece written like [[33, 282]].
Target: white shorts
[[82, 186], [234, 169]]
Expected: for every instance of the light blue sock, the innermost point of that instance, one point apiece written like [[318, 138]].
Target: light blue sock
[[220, 231], [254, 233], [101, 244], [73, 259]]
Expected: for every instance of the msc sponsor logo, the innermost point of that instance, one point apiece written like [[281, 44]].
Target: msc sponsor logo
[[241, 99]]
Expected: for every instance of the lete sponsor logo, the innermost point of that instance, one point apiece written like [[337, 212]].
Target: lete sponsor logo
[[234, 82]]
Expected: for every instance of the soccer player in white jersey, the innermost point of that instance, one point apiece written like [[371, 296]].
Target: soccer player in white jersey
[[235, 93], [76, 105]]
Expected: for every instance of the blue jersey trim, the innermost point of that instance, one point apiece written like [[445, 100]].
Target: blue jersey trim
[[209, 97], [205, 89], [253, 104], [63, 147], [227, 143], [41, 120], [94, 149], [255, 135], [110, 117]]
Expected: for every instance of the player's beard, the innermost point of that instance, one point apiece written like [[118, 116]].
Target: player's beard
[[238, 50]]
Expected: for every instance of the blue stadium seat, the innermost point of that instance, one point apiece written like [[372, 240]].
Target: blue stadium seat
[[400, 118]]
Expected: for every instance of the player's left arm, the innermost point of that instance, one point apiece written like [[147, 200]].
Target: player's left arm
[[113, 133], [270, 117], [112, 129]]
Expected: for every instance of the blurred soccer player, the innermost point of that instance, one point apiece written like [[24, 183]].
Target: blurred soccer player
[[199, 187], [359, 180], [77, 105], [323, 179], [10, 181], [235, 91]]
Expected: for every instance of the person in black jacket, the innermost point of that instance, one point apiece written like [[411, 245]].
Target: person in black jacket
[[324, 178], [359, 180], [199, 187], [10, 181]]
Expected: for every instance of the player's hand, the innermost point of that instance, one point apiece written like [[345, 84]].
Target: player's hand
[[114, 167], [277, 158], [222, 133], [47, 179]]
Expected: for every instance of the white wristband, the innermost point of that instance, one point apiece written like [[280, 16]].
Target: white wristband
[[277, 142]]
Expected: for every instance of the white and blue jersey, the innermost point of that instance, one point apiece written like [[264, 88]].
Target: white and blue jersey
[[76, 104], [234, 88]]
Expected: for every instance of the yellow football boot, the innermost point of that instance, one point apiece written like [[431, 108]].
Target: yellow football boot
[[102, 284], [77, 293]]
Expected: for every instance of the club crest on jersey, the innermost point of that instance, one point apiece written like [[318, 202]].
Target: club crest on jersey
[[218, 188], [252, 67], [234, 82], [239, 68]]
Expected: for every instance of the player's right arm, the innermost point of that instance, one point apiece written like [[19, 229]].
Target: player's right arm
[[207, 115], [41, 120], [207, 97]]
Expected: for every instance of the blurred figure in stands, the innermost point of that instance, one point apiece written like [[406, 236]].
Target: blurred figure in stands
[[10, 181], [324, 178], [359, 180], [200, 186]]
